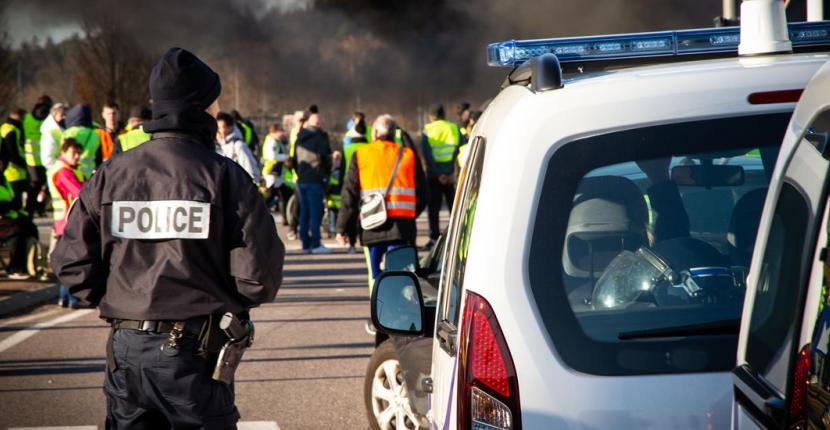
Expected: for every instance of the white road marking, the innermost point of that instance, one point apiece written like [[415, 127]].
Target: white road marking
[[30, 331], [244, 425], [28, 318], [257, 425]]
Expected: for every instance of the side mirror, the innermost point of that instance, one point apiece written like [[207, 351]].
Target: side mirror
[[401, 259], [397, 304], [708, 175]]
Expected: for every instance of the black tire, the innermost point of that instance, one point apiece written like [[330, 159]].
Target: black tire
[[383, 353]]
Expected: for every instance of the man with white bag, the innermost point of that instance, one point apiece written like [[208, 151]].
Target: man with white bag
[[385, 188]]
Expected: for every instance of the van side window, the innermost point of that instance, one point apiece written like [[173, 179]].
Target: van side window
[[776, 300], [460, 229]]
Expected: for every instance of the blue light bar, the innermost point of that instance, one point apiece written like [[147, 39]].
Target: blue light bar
[[641, 45]]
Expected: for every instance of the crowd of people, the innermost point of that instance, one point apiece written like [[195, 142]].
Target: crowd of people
[[316, 186]]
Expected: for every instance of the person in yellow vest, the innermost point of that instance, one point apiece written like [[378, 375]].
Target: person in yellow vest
[[333, 186], [290, 175], [65, 182], [371, 171], [36, 199], [463, 111], [79, 127], [135, 134], [274, 157], [357, 136], [12, 152], [464, 149], [16, 227], [439, 142], [109, 133], [246, 127]]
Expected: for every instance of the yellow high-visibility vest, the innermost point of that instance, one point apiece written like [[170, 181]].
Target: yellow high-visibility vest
[[31, 148], [443, 137], [13, 172], [89, 140]]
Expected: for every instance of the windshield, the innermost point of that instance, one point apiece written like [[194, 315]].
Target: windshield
[[658, 233]]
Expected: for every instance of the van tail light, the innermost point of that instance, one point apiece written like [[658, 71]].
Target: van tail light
[[488, 390], [774, 97], [801, 381]]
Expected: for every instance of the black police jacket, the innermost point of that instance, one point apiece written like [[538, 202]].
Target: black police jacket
[[170, 230]]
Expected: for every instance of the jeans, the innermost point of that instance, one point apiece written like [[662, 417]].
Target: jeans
[[64, 296], [311, 214]]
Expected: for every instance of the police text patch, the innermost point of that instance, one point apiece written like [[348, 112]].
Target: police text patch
[[162, 219]]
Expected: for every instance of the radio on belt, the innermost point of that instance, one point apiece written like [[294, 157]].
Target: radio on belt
[[162, 219]]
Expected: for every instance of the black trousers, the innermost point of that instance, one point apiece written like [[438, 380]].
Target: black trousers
[[19, 188], [438, 194], [156, 387], [283, 194], [37, 183]]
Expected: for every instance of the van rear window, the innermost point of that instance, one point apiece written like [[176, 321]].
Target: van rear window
[[643, 239]]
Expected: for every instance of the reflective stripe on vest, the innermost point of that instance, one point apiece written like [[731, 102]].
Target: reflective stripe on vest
[[443, 137], [375, 162], [13, 172], [88, 139], [333, 199], [133, 139], [59, 205], [31, 131]]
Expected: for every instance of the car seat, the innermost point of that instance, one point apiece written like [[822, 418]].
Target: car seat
[[743, 226]]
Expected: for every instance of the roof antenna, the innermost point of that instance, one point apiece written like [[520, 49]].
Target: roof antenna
[[763, 28]]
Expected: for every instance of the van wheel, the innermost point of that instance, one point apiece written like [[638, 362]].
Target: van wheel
[[384, 392], [292, 210], [34, 257]]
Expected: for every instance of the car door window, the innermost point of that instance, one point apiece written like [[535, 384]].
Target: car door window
[[458, 240], [777, 308], [774, 309]]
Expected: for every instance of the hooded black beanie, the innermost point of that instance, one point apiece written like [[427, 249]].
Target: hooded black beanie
[[181, 88], [79, 116], [41, 109]]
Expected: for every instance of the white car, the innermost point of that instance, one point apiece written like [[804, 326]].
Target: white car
[[783, 379], [595, 264]]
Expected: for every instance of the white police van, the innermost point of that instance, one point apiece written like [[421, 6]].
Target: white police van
[[782, 379], [597, 252]]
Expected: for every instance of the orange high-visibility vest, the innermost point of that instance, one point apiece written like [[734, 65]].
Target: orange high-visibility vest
[[375, 162], [107, 143]]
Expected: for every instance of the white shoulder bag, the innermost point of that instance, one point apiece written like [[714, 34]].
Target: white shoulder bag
[[373, 204]]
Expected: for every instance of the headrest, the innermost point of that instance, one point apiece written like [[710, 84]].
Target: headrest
[[746, 216], [608, 215]]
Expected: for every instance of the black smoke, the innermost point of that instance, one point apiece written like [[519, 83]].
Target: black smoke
[[378, 55]]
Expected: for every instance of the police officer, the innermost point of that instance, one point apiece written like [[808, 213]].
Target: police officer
[[165, 239]]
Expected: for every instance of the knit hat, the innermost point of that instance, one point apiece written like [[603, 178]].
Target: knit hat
[[181, 79]]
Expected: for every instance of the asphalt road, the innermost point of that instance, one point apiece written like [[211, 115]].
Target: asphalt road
[[305, 371]]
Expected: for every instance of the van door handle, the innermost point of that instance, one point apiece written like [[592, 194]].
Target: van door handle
[[447, 336]]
